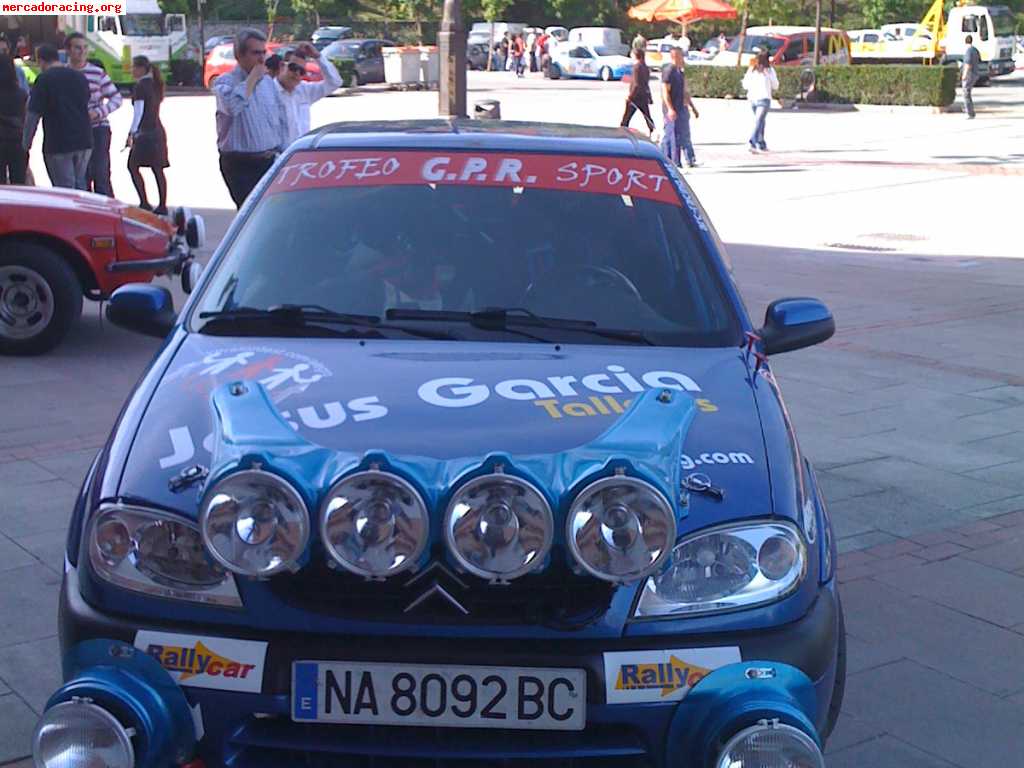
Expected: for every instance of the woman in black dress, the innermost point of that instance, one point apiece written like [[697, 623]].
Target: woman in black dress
[[13, 158], [639, 98], [147, 137]]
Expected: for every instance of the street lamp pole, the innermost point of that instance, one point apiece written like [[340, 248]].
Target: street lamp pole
[[452, 42]]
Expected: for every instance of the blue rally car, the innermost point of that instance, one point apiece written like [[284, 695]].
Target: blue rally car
[[463, 452]]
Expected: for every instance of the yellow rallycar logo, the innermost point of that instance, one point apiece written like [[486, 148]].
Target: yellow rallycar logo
[[197, 660], [668, 677]]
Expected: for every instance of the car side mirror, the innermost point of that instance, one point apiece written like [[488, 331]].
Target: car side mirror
[[794, 324], [143, 308]]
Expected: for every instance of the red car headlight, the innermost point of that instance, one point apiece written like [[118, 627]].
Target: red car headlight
[[145, 237]]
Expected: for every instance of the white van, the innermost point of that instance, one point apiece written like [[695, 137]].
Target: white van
[[600, 37], [992, 28]]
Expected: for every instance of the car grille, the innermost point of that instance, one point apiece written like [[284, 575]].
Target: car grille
[[267, 743], [556, 597]]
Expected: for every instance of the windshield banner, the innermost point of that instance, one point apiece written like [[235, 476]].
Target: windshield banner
[[602, 175]]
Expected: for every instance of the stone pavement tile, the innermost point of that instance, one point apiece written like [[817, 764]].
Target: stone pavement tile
[[938, 454], [1011, 518], [851, 730], [937, 714], [862, 541], [71, 465], [30, 595], [48, 548], [868, 570], [894, 548], [899, 626], [897, 510], [862, 655], [1006, 556], [837, 488], [1005, 475], [995, 508], [886, 752], [850, 559], [1011, 444], [934, 538], [965, 586], [12, 555], [16, 724], [29, 509], [33, 670], [16, 473], [848, 518], [942, 551], [26, 763], [1008, 394]]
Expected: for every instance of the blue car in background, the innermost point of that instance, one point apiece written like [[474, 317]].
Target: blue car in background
[[464, 451], [590, 61]]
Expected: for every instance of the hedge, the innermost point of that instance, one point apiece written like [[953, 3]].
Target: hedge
[[902, 84], [347, 69]]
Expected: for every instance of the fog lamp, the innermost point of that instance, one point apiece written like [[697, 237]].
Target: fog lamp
[[770, 744], [81, 734]]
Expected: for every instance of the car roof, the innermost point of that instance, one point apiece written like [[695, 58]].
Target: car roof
[[780, 30], [483, 135], [361, 40]]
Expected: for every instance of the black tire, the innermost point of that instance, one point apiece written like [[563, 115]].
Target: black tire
[[555, 72], [839, 689], [605, 73], [20, 263]]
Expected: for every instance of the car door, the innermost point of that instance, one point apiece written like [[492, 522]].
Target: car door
[[586, 65]]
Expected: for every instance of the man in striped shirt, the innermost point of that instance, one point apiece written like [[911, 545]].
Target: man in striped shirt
[[104, 98], [251, 122]]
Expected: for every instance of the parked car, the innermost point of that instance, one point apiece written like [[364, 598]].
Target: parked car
[[590, 61], [366, 55], [324, 36], [213, 42], [608, 38], [59, 246], [222, 60], [657, 52], [422, 493], [787, 46], [561, 34]]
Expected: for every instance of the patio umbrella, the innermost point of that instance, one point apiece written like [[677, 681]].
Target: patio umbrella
[[682, 11]]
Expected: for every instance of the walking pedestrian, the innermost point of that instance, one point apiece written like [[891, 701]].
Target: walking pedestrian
[[969, 74], [531, 48], [639, 43], [760, 82], [13, 160], [518, 52], [5, 50], [60, 97], [104, 98], [296, 96], [147, 138], [251, 125], [676, 104], [639, 97]]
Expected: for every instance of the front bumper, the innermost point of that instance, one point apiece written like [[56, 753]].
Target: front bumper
[[252, 730], [178, 254]]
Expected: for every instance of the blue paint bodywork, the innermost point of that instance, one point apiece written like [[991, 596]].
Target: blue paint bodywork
[[438, 413]]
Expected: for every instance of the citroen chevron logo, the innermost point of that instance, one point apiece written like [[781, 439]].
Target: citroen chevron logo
[[433, 575]]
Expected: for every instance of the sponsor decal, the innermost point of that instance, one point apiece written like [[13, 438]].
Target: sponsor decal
[[207, 662], [602, 175], [717, 457], [640, 676]]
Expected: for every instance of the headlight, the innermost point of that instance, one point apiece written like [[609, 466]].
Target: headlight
[[374, 524], [157, 554], [80, 734], [143, 236], [727, 568], [770, 744], [499, 527], [254, 523], [621, 529]]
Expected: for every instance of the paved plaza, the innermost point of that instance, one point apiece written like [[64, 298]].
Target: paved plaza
[[904, 222]]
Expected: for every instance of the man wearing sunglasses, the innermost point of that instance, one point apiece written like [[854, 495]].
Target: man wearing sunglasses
[[296, 95]]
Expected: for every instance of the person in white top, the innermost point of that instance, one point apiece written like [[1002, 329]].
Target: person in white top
[[760, 83], [296, 96]]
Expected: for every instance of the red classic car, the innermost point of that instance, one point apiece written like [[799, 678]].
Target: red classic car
[[58, 246]]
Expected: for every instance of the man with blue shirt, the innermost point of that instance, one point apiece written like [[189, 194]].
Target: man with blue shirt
[[675, 106], [969, 74]]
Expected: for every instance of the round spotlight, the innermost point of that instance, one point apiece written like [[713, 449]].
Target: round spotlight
[[770, 744], [621, 529], [81, 734], [499, 527], [374, 524], [254, 523]]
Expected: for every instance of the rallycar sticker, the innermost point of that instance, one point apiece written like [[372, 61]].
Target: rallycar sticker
[[602, 175], [632, 677], [207, 662]]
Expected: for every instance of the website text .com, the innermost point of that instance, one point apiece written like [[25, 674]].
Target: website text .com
[[87, 9]]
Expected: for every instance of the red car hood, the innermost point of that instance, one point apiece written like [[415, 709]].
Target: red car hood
[[73, 200]]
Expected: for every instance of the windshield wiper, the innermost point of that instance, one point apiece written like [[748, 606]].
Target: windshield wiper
[[311, 316], [502, 319]]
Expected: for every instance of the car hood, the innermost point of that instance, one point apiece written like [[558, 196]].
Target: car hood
[[451, 400], [60, 199]]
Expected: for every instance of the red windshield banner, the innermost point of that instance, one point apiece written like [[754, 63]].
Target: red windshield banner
[[322, 169]]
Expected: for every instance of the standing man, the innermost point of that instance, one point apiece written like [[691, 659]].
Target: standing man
[[297, 96], [60, 97], [675, 106], [104, 98], [5, 50], [969, 74], [251, 123]]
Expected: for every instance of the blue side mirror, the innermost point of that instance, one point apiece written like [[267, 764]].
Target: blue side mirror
[[143, 308], [794, 324]]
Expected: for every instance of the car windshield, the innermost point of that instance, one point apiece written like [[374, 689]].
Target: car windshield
[[142, 24], [1003, 22], [342, 50], [601, 241], [754, 43]]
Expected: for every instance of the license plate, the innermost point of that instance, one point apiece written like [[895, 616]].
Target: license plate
[[518, 698]]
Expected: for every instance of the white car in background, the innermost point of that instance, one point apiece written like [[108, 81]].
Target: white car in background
[[590, 61]]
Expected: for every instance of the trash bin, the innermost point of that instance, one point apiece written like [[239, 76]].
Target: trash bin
[[488, 109], [401, 65], [430, 64]]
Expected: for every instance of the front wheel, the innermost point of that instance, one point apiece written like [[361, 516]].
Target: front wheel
[[606, 73], [555, 71], [40, 298]]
